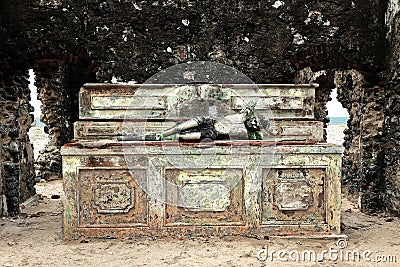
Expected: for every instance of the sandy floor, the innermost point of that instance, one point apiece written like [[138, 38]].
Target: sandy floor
[[35, 239], [335, 134], [38, 138]]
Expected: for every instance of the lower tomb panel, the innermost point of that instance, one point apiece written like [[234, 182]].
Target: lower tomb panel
[[109, 193]]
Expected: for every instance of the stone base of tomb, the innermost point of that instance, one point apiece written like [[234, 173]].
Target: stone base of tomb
[[250, 188]]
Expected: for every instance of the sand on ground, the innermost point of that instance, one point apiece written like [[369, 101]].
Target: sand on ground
[[39, 139], [35, 239], [334, 134]]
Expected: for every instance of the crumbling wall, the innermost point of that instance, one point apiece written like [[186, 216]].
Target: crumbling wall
[[349, 89], [16, 151], [391, 174], [16, 154], [362, 158], [50, 81], [267, 40], [363, 154], [72, 42], [58, 82]]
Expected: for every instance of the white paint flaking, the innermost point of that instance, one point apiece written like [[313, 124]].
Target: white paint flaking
[[136, 6], [114, 79], [127, 31], [391, 13], [298, 39], [118, 80], [327, 23], [317, 17], [185, 22], [278, 4]]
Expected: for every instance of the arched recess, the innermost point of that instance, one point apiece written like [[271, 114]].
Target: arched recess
[[58, 81], [363, 155]]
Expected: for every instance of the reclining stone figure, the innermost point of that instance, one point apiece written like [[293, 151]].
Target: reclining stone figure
[[240, 126]]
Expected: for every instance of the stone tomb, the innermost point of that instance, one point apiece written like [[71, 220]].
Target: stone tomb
[[287, 184]]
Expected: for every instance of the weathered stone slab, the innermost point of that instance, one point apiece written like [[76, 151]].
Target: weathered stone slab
[[278, 131], [150, 101], [282, 190], [111, 129]]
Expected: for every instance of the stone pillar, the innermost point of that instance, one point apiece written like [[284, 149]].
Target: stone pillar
[[2, 208], [16, 151], [52, 91], [372, 178], [392, 148], [362, 159], [348, 85], [392, 111]]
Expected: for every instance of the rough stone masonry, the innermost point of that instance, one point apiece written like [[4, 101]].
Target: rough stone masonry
[[351, 45]]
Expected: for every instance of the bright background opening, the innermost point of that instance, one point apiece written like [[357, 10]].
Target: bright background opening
[[338, 116], [38, 137]]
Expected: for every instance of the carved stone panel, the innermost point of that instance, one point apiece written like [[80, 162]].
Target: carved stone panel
[[112, 102], [206, 197], [300, 131], [283, 101], [298, 193], [294, 195], [113, 197], [110, 196]]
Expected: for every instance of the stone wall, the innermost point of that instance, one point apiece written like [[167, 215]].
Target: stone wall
[[16, 151], [16, 154], [391, 175], [349, 88], [72, 42], [362, 159]]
